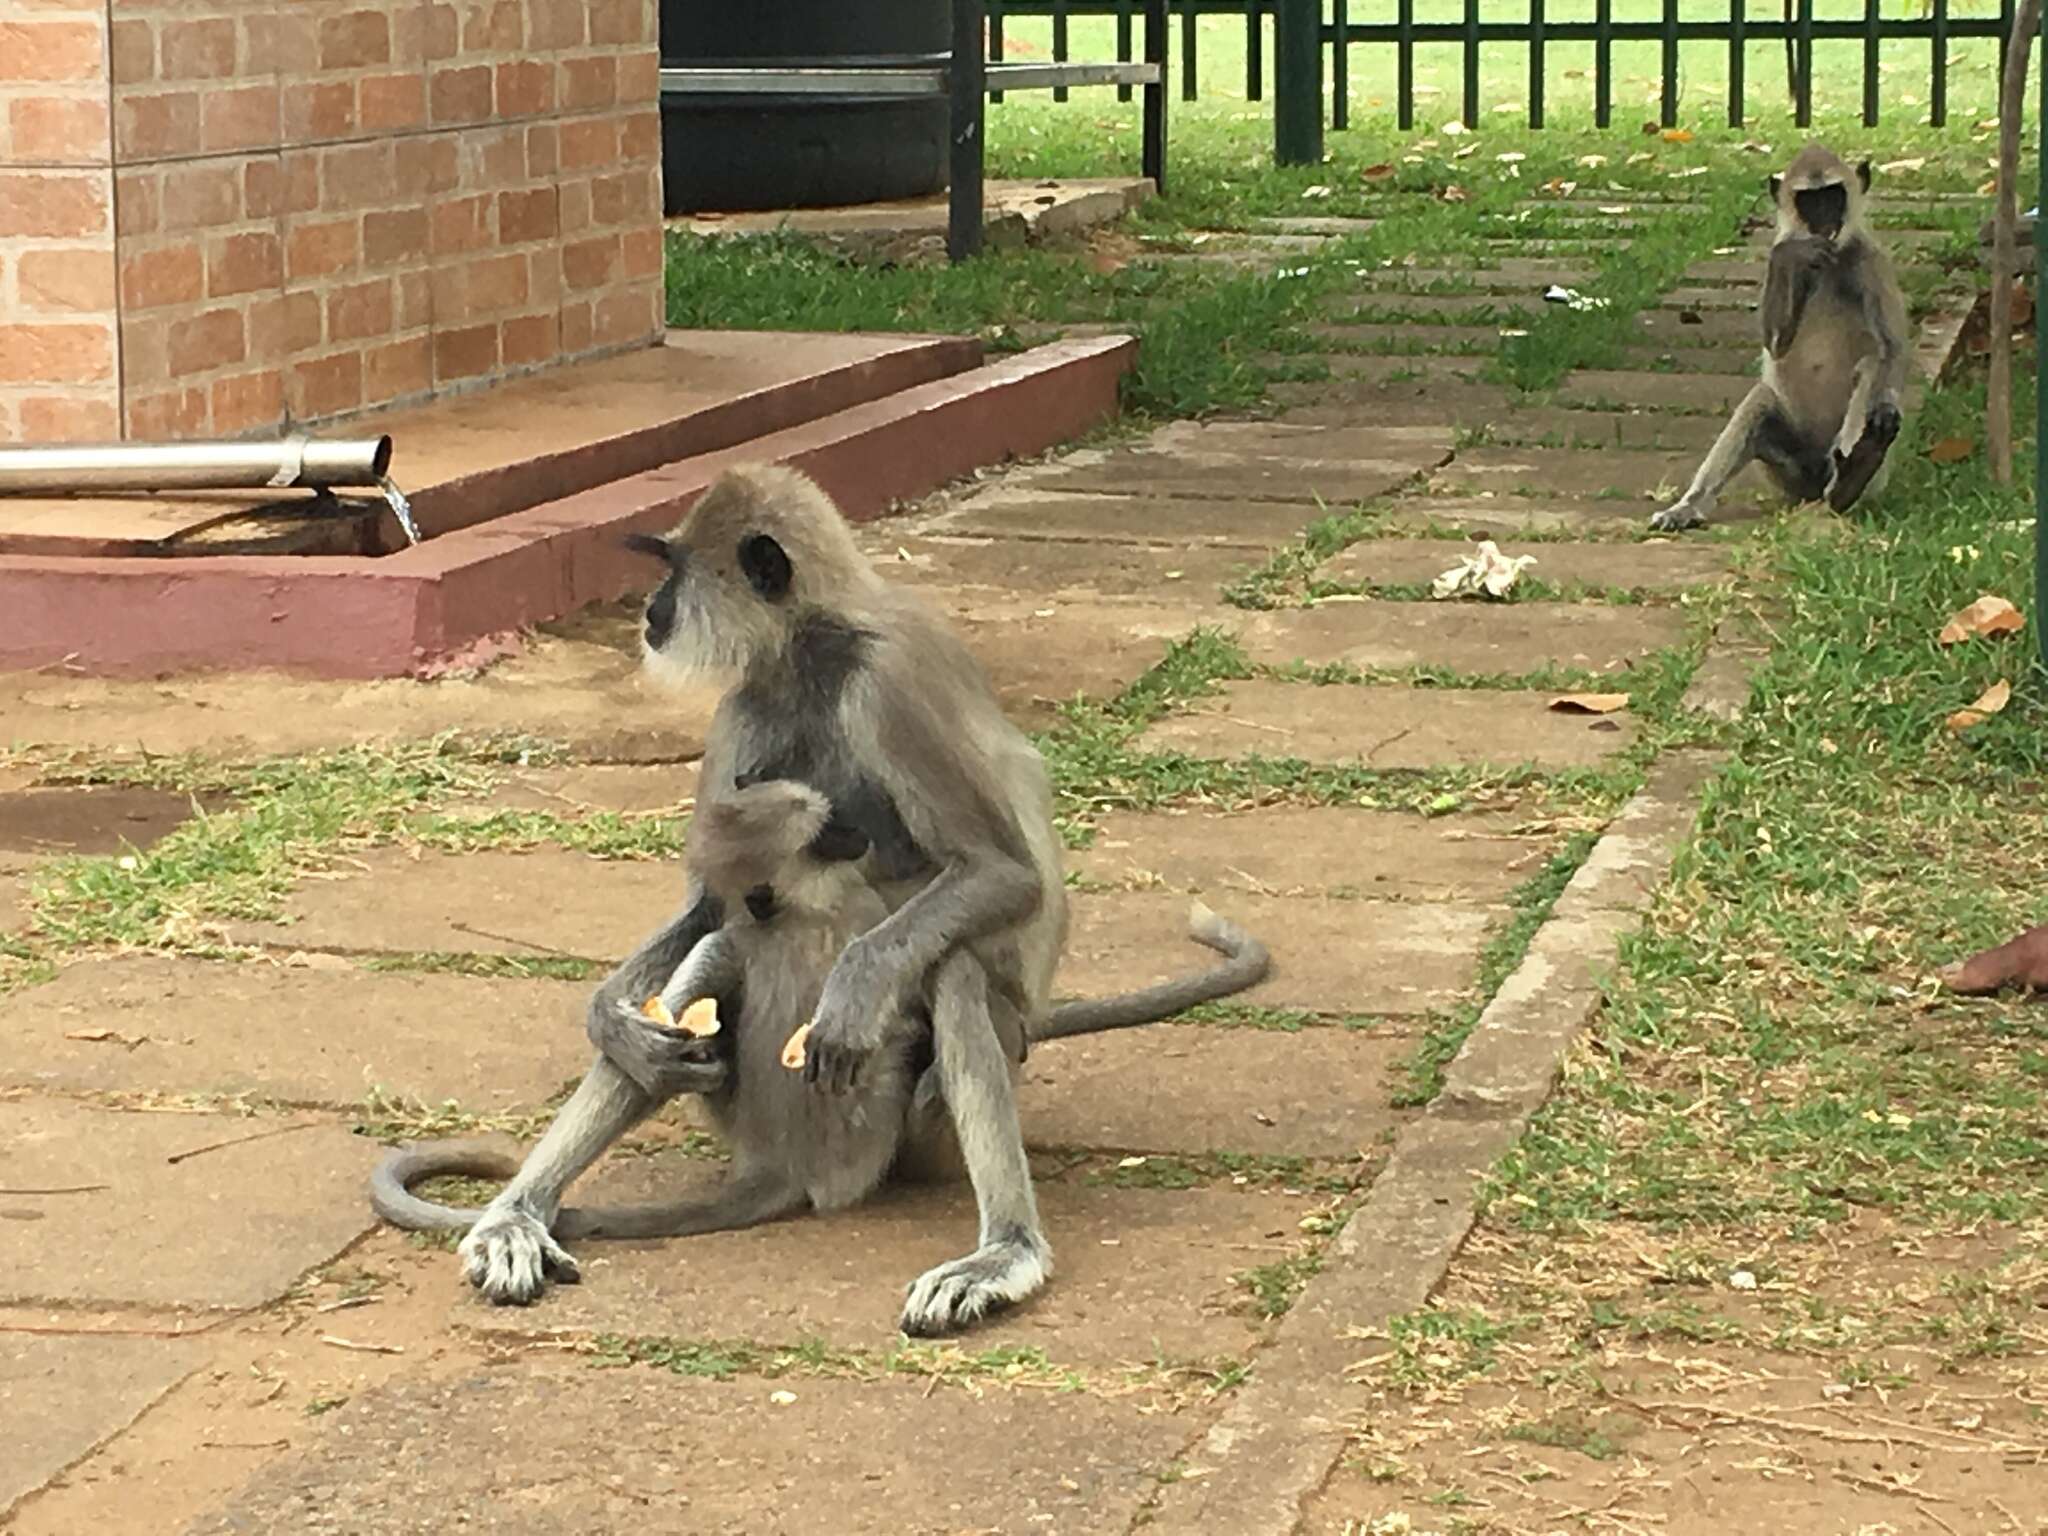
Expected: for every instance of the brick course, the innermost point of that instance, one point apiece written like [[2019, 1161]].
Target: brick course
[[222, 215]]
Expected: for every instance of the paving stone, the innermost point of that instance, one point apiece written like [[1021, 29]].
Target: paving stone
[[545, 901], [1523, 277], [1494, 517], [1139, 1272], [1399, 403], [1678, 327], [1327, 227], [1732, 271], [1041, 652], [1471, 308], [1323, 1092], [1173, 521], [1329, 955], [568, 1450], [1261, 461], [1661, 565], [1709, 296], [1305, 850], [1601, 431], [1066, 568], [61, 1397], [1388, 727], [14, 891], [89, 819], [582, 680], [1732, 362], [1391, 368], [234, 1227], [1562, 472], [1410, 339], [301, 1034], [1710, 394], [1466, 636]]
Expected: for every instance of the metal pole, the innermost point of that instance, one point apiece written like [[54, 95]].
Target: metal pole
[[72, 469], [1298, 82], [1154, 163], [966, 84]]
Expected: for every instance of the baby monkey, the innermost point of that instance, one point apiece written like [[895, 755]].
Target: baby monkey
[[1826, 410], [791, 876]]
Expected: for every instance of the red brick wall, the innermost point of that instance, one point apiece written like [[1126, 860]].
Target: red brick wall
[[319, 206]]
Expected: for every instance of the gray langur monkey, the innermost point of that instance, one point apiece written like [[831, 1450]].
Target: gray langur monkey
[[857, 690], [1826, 411]]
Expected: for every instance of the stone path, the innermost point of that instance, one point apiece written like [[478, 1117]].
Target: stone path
[[201, 1329]]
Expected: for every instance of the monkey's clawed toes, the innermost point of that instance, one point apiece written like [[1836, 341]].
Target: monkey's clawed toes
[[510, 1256], [1677, 517], [956, 1295], [1883, 423]]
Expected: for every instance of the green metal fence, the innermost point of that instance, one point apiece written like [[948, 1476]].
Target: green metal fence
[[1793, 26]]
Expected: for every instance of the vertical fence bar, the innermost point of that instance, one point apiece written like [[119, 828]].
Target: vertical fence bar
[[1738, 57], [1298, 82], [1123, 43], [1535, 63], [1154, 163], [967, 111], [1340, 63], [1667, 111], [1254, 49], [1470, 112], [1059, 43], [1404, 65], [1603, 62], [1802, 105], [995, 39], [1190, 42], [2041, 369], [1937, 86], [1873, 34]]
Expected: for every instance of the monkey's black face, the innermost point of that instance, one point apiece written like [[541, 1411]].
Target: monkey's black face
[[661, 608], [1823, 209]]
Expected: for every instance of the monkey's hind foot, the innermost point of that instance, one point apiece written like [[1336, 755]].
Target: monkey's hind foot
[[510, 1256], [1678, 517], [956, 1295], [1855, 469]]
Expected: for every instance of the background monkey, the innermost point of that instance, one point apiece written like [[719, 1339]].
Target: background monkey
[[1826, 410], [858, 691]]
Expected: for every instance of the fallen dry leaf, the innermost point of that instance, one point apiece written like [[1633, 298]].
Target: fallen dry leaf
[[1380, 172], [95, 1035], [1453, 194], [1989, 703], [1589, 703], [1677, 135], [1952, 450], [1987, 616]]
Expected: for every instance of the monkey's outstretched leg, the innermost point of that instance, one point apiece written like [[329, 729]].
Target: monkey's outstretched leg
[[1013, 1258], [1732, 453]]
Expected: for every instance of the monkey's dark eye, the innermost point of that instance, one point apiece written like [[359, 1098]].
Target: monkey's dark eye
[[767, 567]]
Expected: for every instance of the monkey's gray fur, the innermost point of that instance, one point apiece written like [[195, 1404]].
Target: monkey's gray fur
[[859, 692], [1826, 411]]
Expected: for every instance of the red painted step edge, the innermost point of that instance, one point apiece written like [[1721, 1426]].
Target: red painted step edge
[[363, 617]]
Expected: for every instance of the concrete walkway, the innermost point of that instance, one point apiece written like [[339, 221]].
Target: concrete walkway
[[201, 1330]]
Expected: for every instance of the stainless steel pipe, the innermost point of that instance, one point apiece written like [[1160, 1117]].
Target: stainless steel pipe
[[71, 469]]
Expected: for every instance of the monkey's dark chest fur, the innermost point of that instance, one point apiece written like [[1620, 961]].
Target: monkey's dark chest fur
[[790, 725]]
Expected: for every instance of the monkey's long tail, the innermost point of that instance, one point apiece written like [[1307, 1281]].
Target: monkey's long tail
[[1245, 964], [392, 1198]]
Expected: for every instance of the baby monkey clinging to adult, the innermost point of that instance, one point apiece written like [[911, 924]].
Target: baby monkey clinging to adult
[[1826, 410]]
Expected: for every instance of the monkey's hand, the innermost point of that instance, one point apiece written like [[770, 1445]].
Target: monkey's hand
[[861, 996], [661, 1062], [509, 1256], [1679, 516], [1884, 421]]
